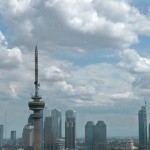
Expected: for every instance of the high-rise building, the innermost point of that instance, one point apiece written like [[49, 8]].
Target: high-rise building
[[142, 128], [30, 119], [13, 137], [89, 135], [27, 137], [70, 130], [48, 134], [100, 136], [149, 137], [1, 135], [56, 120]]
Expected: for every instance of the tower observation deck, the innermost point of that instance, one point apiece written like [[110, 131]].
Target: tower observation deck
[[36, 105]]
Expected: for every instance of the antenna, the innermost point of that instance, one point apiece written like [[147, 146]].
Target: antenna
[[36, 72]]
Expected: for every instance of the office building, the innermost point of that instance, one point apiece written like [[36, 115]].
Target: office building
[[89, 135], [1, 135], [30, 119], [28, 137], [70, 130], [142, 128], [56, 120], [48, 134], [100, 136], [149, 137], [13, 138]]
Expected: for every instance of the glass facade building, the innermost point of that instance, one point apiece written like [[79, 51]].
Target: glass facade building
[[56, 120], [89, 135], [70, 130], [1, 135], [142, 117], [100, 136], [48, 134]]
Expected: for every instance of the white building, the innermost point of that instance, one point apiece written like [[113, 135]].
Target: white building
[[59, 144], [130, 146]]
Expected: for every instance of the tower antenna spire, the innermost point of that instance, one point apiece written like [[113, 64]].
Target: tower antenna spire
[[36, 72]]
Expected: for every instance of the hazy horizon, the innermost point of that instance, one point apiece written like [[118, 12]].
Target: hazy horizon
[[94, 58]]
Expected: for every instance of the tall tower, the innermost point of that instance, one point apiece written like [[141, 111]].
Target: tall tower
[[142, 128], [70, 130], [100, 136], [36, 105], [89, 135]]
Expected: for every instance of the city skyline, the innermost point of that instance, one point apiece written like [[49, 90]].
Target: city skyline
[[92, 61]]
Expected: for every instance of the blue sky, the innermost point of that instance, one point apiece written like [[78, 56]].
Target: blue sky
[[93, 58]]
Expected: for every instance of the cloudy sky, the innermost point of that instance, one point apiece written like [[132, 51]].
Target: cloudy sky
[[94, 57]]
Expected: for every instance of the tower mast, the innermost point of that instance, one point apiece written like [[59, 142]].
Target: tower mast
[[36, 72], [36, 105]]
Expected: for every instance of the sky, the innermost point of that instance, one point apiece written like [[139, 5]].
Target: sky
[[94, 58]]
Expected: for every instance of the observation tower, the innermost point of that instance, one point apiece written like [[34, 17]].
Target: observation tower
[[36, 105]]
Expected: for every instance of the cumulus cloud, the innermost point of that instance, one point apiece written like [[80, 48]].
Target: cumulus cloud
[[134, 62], [63, 24], [139, 67], [10, 58], [3, 41], [53, 73]]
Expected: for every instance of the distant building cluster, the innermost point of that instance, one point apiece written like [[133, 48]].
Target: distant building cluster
[[51, 135], [95, 134]]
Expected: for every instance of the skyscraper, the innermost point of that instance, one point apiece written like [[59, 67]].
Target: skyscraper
[[13, 137], [56, 120], [30, 119], [142, 128], [70, 130], [100, 136], [149, 137], [89, 135], [27, 137], [48, 135], [1, 135]]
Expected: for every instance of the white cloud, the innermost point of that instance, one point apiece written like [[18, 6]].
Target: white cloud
[[3, 41], [134, 62], [10, 58], [139, 67], [86, 24], [53, 73]]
